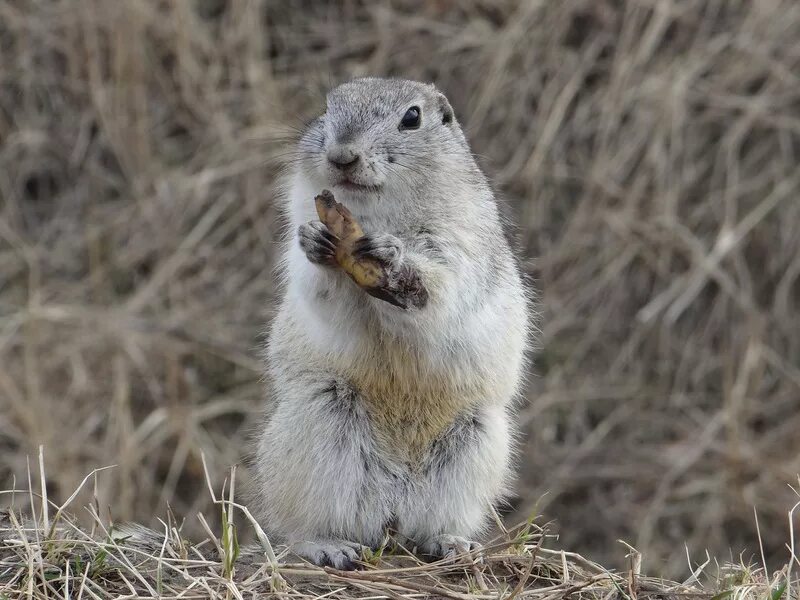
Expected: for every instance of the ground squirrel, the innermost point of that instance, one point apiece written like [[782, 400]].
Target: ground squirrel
[[390, 408]]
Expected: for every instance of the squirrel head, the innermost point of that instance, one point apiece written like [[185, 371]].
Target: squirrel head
[[384, 138]]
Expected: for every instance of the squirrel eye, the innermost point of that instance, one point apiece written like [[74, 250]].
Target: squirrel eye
[[411, 119]]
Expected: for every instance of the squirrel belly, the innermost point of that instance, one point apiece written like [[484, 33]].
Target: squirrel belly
[[410, 396]]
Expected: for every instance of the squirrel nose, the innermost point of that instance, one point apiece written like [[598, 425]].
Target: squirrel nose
[[343, 158]]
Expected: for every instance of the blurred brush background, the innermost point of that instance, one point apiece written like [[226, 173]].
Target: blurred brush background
[[647, 148]]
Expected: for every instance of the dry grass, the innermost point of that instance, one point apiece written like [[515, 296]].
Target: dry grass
[[48, 556], [649, 149]]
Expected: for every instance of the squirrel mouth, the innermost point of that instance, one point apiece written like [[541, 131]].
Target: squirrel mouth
[[349, 184]]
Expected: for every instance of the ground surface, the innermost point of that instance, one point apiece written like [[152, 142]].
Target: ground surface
[[63, 561]]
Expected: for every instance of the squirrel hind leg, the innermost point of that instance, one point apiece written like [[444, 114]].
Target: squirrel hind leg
[[318, 477], [466, 471]]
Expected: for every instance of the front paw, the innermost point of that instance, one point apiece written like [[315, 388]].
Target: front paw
[[318, 243], [383, 248]]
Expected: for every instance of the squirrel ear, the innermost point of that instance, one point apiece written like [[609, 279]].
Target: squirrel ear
[[445, 108]]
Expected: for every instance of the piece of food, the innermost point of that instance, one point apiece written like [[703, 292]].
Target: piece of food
[[340, 222]]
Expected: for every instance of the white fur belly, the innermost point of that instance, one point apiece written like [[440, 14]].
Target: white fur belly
[[431, 348]]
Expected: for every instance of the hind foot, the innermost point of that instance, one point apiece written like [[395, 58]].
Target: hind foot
[[339, 554], [447, 546]]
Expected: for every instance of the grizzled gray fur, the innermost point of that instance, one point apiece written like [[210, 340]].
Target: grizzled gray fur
[[391, 410]]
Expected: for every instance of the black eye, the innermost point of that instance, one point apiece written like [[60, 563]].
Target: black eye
[[411, 119]]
